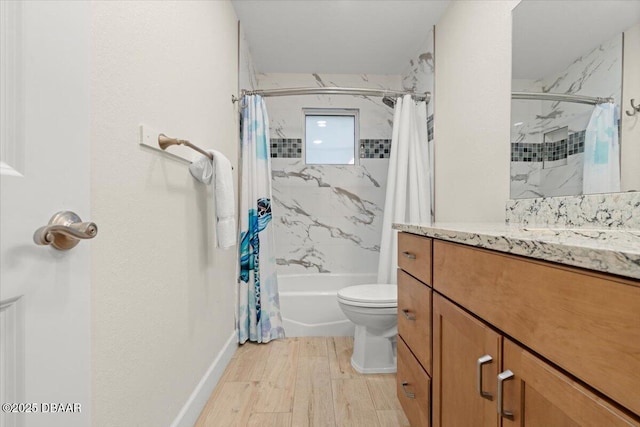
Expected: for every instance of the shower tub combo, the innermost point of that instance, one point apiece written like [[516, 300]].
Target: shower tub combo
[[309, 305]]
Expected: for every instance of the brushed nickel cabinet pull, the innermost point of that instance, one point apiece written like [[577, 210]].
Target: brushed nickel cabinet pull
[[64, 231], [502, 377], [409, 255], [407, 393], [481, 362]]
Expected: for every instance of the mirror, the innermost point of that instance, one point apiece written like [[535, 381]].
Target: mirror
[[576, 48]]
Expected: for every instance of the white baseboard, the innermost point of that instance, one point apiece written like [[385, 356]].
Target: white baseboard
[[193, 407]]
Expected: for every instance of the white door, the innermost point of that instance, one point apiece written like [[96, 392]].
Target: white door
[[45, 301]]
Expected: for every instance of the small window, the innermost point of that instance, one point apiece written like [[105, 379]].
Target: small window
[[330, 136]]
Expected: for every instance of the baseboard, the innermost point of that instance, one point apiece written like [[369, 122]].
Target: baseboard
[[193, 407]]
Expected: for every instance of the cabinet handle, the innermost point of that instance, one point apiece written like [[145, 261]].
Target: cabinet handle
[[502, 377], [407, 393], [483, 361], [407, 315], [409, 255]]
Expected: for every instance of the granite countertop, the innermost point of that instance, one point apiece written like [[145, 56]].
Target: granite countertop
[[609, 250]]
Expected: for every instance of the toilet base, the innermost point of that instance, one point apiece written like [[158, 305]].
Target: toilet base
[[373, 354]]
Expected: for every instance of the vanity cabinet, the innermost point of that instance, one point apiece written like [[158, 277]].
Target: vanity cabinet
[[414, 328], [476, 369], [467, 356], [563, 342]]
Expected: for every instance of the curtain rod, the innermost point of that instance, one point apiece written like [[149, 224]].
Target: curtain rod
[[561, 97], [332, 91]]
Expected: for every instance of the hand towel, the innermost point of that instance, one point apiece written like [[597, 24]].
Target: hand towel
[[220, 172]]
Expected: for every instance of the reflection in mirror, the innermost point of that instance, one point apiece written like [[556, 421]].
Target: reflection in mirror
[[563, 148]]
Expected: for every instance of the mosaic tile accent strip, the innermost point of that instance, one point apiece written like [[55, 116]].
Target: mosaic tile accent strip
[[548, 151], [554, 150], [576, 143], [375, 148], [289, 148], [526, 152]]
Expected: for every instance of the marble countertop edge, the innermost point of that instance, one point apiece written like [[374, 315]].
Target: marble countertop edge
[[614, 251]]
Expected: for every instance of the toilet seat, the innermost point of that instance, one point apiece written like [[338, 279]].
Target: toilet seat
[[374, 296]]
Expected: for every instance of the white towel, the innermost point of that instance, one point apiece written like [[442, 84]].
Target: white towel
[[203, 169]]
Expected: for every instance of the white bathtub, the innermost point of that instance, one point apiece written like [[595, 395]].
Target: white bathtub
[[309, 306]]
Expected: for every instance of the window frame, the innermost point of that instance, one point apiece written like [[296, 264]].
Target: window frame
[[343, 112]]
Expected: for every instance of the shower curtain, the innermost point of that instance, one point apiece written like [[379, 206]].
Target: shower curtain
[[258, 314], [408, 196], [601, 170]]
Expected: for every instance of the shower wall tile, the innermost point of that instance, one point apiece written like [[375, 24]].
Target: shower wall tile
[[419, 73], [596, 73], [590, 75], [285, 112], [548, 151], [286, 148], [328, 218], [531, 180], [375, 148]]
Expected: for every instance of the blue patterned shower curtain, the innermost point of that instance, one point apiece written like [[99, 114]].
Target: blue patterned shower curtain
[[258, 316]]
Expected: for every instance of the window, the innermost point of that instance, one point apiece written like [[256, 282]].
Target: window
[[330, 136]]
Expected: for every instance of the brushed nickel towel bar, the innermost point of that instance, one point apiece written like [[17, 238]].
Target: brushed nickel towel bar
[[165, 142], [332, 91], [579, 99]]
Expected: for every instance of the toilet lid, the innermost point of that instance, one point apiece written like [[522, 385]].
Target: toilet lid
[[376, 295]]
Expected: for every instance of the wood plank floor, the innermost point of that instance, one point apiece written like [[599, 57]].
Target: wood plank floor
[[301, 382]]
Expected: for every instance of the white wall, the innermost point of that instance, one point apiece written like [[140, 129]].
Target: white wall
[[472, 108], [630, 142], [162, 297]]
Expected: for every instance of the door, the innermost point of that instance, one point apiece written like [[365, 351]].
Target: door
[[538, 395], [466, 360], [44, 293]]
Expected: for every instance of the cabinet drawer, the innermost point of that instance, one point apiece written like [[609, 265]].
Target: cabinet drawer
[[414, 317], [586, 323], [414, 388], [414, 256]]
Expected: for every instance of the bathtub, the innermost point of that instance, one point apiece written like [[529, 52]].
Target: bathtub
[[309, 305]]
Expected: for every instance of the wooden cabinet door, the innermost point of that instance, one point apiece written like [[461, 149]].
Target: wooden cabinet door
[[459, 342], [539, 395]]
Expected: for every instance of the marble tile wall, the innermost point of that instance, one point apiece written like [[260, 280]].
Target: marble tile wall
[[597, 73], [614, 210], [328, 218]]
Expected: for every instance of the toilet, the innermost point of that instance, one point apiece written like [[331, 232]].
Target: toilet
[[374, 310]]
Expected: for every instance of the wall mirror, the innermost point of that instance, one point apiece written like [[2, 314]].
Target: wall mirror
[[577, 49]]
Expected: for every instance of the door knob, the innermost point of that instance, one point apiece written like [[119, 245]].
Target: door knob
[[64, 231]]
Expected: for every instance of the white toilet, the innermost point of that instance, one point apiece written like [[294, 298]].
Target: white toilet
[[374, 310]]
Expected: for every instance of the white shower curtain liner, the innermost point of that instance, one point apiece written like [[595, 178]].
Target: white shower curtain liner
[[408, 196]]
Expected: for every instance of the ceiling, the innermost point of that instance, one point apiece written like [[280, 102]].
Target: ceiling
[[380, 36], [549, 35], [336, 36]]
